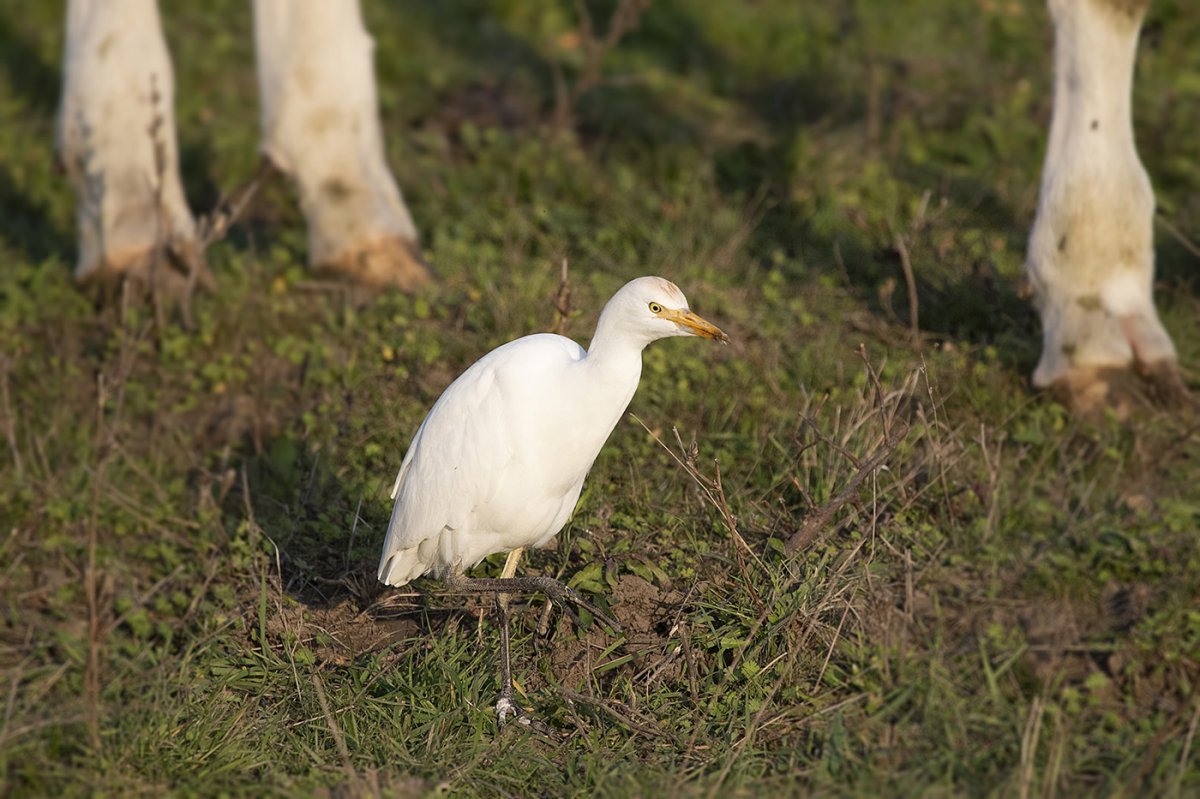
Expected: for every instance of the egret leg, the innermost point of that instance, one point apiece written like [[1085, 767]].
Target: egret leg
[[502, 587], [505, 705], [511, 563]]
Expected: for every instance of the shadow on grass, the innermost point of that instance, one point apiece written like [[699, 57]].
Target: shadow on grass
[[26, 225], [328, 540], [35, 80]]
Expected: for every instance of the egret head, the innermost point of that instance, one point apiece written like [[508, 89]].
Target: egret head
[[651, 308]]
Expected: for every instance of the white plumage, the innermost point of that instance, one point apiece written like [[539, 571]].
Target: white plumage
[[500, 460]]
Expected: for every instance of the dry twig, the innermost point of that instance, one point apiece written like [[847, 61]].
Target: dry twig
[[91, 590], [1178, 234], [9, 420], [813, 525], [95, 585], [625, 18], [562, 301], [713, 491]]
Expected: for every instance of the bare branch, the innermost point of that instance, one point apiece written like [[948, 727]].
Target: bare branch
[[713, 491], [625, 18], [813, 525], [562, 302]]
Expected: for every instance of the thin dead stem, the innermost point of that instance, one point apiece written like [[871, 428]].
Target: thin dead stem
[[815, 523], [910, 283], [358, 786], [991, 462], [1029, 745], [832, 644], [110, 388], [625, 18], [878, 385], [713, 490], [622, 715], [1186, 751], [215, 225], [91, 674], [562, 301], [1178, 234], [900, 242], [10, 419], [756, 722]]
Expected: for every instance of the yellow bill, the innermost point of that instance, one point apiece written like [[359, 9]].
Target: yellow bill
[[695, 324]]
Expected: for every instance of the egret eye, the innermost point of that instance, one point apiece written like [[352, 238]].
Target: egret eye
[[655, 308]]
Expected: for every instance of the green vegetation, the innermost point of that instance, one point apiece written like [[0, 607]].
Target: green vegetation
[[1008, 606]]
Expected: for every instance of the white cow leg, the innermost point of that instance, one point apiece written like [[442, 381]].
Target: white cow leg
[[321, 126], [1091, 251], [116, 138]]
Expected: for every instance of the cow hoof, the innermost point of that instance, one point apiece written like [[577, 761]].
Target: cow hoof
[[1166, 385], [167, 278], [386, 263], [1091, 392]]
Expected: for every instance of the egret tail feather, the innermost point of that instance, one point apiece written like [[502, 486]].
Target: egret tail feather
[[402, 567]]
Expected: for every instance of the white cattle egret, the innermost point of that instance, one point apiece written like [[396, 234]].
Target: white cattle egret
[[500, 460]]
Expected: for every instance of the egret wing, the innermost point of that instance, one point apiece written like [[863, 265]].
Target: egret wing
[[458, 457]]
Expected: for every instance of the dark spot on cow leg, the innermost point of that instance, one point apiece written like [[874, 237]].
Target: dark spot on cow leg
[[336, 190]]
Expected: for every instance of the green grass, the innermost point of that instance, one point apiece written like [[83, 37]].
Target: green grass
[[1009, 608]]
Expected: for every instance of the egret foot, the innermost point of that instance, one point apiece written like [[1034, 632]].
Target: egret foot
[[562, 595], [505, 708], [501, 586], [505, 705]]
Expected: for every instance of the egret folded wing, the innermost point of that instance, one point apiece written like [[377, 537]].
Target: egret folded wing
[[452, 465]]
